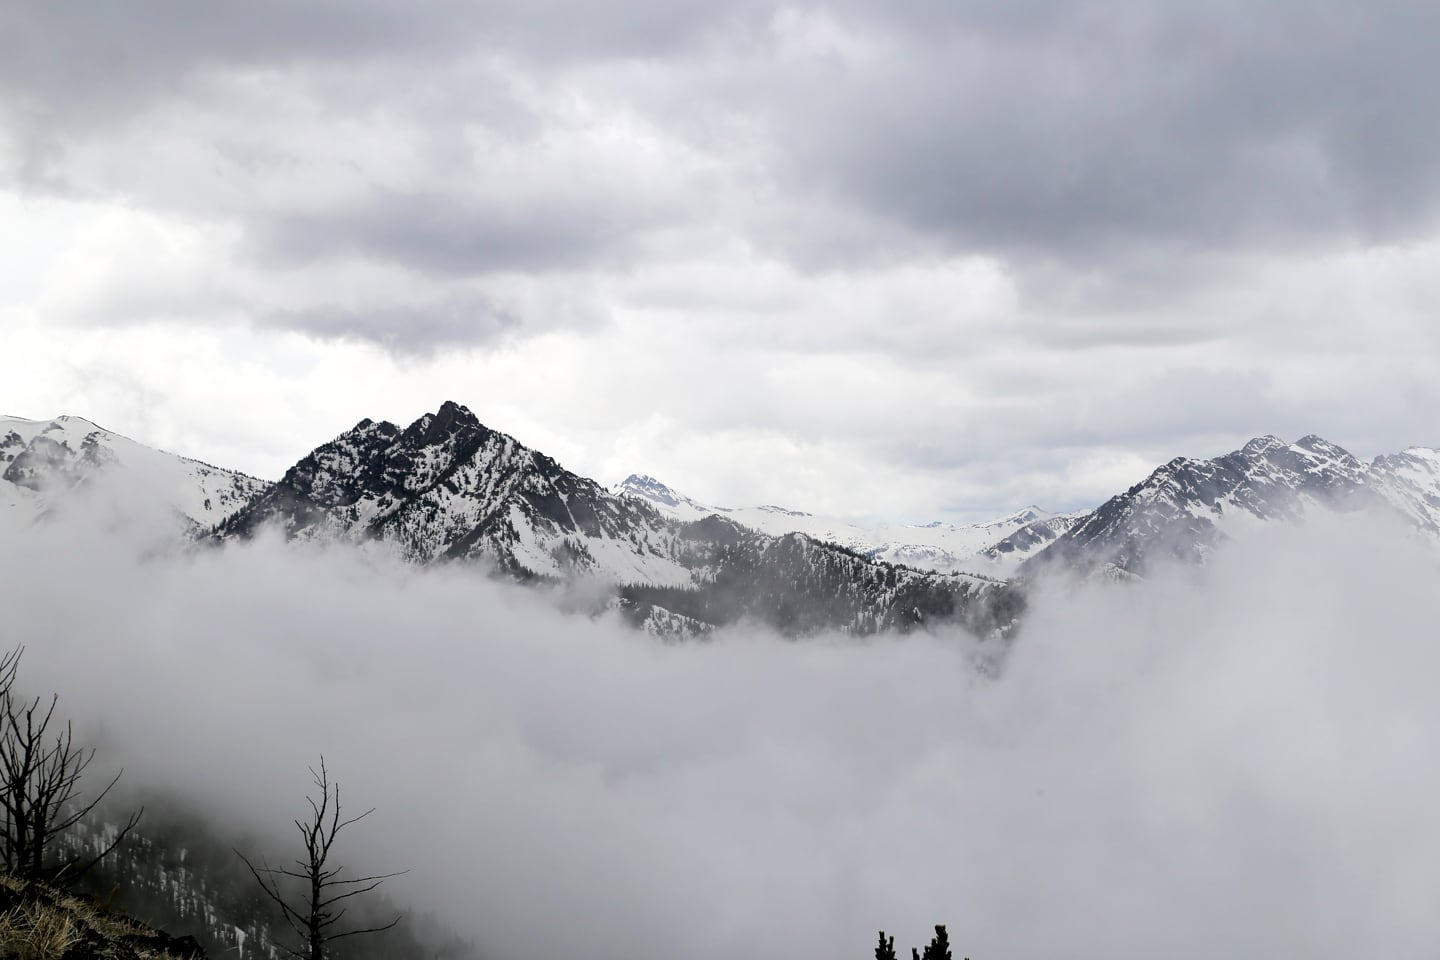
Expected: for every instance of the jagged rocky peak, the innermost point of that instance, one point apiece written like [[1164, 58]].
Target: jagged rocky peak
[[451, 420], [1311, 465], [1307, 449], [448, 487]]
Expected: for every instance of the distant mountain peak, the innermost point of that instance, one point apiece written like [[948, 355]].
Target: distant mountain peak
[[1186, 508], [648, 488], [1026, 514], [643, 481]]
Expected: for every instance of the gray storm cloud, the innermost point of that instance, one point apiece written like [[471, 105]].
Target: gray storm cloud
[[1231, 761], [1100, 148]]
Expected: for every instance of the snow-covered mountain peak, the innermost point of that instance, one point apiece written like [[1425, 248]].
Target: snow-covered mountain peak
[[52, 465], [1021, 517], [648, 488], [664, 498], [1185, 508], [448, 487]]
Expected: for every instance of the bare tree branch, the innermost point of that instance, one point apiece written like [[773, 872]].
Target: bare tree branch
[[320, 886], [40, 776]]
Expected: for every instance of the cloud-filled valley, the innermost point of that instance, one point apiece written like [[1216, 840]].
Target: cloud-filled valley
[[1227, 759]]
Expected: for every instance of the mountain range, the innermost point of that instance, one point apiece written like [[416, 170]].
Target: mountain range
[[939, 546], [448, 489]]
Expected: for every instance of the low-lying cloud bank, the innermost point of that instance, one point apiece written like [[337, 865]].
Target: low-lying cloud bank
[[1234, 761]]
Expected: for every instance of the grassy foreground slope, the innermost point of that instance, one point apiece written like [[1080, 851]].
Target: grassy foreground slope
[[38, 922]]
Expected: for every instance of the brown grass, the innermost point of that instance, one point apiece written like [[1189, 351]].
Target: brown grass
[[40, 923]]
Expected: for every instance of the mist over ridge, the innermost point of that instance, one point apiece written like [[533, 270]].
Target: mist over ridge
[[1225, 759]]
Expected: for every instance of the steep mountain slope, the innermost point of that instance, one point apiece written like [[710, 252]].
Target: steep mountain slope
[[1186, 507], [800, 585], [1004, 558], [448, 488], [67, 463], [943, 547]]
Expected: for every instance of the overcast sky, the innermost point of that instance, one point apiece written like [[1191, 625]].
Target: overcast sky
[[914, 259]]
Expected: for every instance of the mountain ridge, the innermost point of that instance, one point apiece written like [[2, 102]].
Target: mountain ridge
[[446, 488], [1186, 507]]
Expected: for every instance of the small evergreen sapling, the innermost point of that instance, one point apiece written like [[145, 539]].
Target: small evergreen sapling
[[939, 948]]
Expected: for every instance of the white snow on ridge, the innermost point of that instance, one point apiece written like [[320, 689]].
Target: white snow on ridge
[[1411, 481], [49, 465], [939, 546]]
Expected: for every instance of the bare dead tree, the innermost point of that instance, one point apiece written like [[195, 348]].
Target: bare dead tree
[[9, 666], [40, 774], [318, 889]]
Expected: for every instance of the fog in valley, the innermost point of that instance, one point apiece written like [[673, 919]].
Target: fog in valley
[[1234, 761]]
